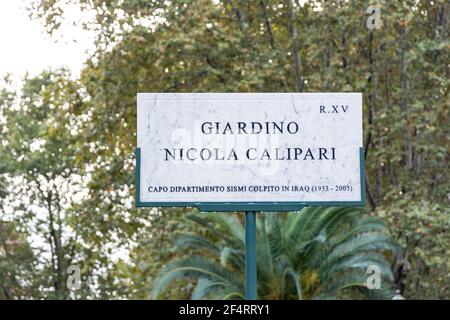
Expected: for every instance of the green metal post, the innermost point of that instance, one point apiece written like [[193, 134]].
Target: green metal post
[[250, 255]]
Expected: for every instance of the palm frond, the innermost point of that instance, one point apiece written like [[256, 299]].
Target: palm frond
[[232, 294], [360, 243], [264, 254], [275, 235], [356, 279], [194, 242], [297, 224], [362, 225], [194, 267], [296, 278], [231, 225], [212, 227], [206, 286], [361, 262], [232, 257]]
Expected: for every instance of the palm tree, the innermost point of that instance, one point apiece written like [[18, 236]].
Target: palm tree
[[317, 253]]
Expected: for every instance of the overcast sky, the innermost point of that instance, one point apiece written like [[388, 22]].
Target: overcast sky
[[26, 47]]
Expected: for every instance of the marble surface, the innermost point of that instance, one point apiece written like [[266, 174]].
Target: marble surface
[[174, 121]]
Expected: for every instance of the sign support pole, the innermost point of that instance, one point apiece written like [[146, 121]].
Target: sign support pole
[[250, 255]]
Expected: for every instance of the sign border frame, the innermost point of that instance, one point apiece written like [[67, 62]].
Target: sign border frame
[[249, 206]]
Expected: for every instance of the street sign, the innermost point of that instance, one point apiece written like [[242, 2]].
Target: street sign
[[249, 151]]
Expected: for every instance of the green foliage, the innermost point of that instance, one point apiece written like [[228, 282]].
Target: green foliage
[[17, 274], [314, 253], [38, 162], [423, 229]]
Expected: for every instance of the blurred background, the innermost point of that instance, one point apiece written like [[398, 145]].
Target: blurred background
[[70, 71]]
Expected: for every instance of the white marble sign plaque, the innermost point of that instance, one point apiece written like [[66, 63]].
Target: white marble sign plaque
[[249, 148]]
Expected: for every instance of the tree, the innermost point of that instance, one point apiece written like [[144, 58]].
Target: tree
[[248, 46], [37, 160], [17, 264], [315, 253]]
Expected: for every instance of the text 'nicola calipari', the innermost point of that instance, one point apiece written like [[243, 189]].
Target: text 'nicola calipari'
[[250, 153]]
